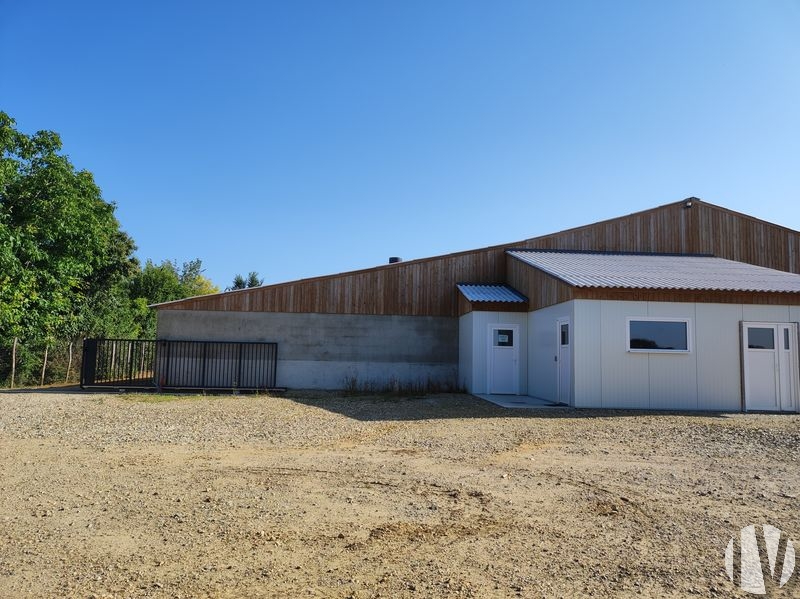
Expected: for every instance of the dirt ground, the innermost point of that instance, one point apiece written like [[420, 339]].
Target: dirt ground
[[316, 495]]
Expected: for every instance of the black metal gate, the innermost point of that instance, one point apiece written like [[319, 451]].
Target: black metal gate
[[163, 364], [118, 363]]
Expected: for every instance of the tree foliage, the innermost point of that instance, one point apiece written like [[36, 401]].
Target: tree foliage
[[67, 269], [165, 282], [252, 280], [61, 242]]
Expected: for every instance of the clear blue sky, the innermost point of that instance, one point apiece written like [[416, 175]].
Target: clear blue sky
[[300, 138]]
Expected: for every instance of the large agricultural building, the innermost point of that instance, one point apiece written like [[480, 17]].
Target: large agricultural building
[[685, 306]]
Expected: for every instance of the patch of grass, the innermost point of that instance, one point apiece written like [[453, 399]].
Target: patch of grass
[[159, 397], [177, 396]]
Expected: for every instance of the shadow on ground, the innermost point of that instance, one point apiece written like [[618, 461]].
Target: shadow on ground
[[371, 408], [387, 407]]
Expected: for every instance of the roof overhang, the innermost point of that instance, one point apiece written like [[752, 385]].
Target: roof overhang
[[484, 297]]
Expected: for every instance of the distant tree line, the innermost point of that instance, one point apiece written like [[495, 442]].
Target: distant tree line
[[67, 270]]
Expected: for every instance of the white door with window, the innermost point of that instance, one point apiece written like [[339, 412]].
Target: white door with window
[[770, 366], [503, 359], [564, 360]]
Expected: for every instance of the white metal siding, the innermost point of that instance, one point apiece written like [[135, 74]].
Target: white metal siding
[[756, 313], [543, 348], [587, 355], [719, 379], [473, 361], [626, 376], [707, 378], [673, 377]]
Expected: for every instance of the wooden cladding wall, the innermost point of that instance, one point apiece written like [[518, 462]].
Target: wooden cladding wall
[[542, 289], [701, 229], [427, 287], [419, 288]]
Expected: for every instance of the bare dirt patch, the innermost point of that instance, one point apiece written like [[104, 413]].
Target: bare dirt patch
[[315, 495]]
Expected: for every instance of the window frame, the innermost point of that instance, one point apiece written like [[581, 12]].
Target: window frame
[[778, 340], [643, 350], [508, 334]]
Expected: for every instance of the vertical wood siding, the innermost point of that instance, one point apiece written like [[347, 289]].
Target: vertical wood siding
[[427, 287], [419, 288], [701, 229], [542, 289]]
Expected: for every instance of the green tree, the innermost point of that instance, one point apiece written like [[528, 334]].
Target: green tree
[[165, 282], [67, 270], [192, 280], [60, 243], [239, 282], [252, 280]]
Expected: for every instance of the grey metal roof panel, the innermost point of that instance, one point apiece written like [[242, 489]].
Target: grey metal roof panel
[[475, 292], [658, 271]]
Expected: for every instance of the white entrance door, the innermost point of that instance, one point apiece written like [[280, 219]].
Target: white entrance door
[[770, 366], [564, 360], [504, 359]]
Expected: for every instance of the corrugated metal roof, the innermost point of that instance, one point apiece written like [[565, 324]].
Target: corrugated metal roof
[[475, 292], [658, 271]]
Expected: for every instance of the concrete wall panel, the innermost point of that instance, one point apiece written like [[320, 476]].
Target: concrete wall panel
[[466, 370], [308, 374], [332, 350]]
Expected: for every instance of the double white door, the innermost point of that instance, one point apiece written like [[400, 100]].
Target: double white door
[[770, 357]]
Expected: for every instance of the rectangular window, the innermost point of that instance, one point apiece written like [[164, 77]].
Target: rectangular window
[[654, 335], [786, 338], [564, 334], [760, 338], [503, 338]]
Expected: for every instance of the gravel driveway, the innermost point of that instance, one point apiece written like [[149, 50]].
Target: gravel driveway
[[317, 495]]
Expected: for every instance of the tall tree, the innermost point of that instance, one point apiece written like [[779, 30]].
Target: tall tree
[[59, 240], [67, 269]]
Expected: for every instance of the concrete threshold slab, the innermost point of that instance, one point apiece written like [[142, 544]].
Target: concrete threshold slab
[[519, 401]]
